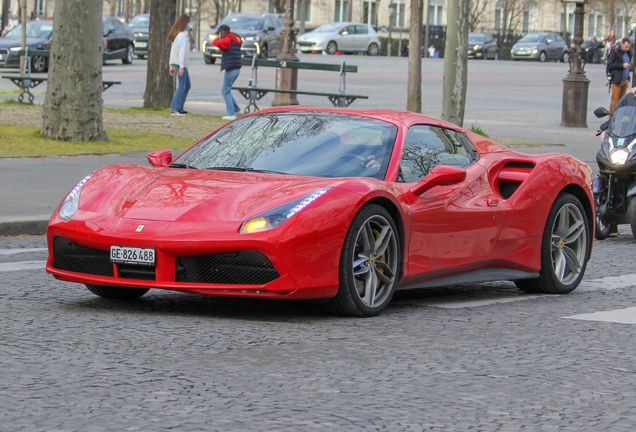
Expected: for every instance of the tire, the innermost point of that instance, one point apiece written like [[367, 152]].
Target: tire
[[110, 292], [39, 64], [563, 259], [373, 49], [209, 60], [264, 52], [542, 57], [602, 230], [369, 269], [631, 212], [130, 54], [331, 47], [141, 57], [565, 57]]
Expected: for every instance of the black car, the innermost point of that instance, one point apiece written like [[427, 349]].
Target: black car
[[139, 25], [261, 35], [482, 46], [38, 37], [118, 40]]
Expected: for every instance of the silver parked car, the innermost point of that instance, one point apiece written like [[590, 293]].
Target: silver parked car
[[346, 37], [542, 47]]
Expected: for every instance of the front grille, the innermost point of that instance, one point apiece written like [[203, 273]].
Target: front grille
[[136, 272], [239, 268], [70, 256]]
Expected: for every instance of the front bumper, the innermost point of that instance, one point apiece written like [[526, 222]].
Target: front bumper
[[9, 59], [524, 55], [141, 46], [309, 46], [248, 49], [475, 54]]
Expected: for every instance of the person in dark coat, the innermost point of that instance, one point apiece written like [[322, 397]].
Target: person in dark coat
[[230, 45], [619, 66]]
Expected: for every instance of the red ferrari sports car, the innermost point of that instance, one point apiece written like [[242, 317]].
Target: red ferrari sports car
[[342, 205]]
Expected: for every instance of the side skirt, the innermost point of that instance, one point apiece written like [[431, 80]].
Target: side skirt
[[477, 276]]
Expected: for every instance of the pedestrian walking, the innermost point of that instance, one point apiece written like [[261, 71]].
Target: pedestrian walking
[[619, 66], [179, 62], [230, 45]]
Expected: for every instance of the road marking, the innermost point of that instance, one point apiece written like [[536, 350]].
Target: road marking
[[19, 251], [22, 265], [607, 283], [622, 316]]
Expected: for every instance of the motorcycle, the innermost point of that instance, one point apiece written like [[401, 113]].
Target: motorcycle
[[614, 187], [592, 51]]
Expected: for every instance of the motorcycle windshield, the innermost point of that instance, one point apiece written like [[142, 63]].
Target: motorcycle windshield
[[623, 122]]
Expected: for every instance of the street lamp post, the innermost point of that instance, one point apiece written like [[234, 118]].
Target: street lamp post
[[392, 7], [287, 78], [575, 84]]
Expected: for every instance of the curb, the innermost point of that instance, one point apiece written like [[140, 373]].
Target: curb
[[11, 226]]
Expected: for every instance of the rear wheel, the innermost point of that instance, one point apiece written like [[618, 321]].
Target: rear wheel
[[209, 60], [564, 249], [565, 57], [331, 47], [117, 293], [39, 64], [369, 264], [130, 54], [373, 49]]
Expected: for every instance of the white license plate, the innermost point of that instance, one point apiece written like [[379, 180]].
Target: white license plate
[[132, 255], [141, 44]]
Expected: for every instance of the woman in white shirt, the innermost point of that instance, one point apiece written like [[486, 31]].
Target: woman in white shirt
[[179, 62]]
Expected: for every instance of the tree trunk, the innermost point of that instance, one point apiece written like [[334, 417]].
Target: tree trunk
[[137, 10], [414, 86], [147, 6], [72, 108], [456, 62], [159, 83]]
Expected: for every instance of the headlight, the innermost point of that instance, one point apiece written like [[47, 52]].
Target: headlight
[[278, 215], [71, 202], [477, 47], [619, 157], [211, 36], [252, 38], [14, 49]]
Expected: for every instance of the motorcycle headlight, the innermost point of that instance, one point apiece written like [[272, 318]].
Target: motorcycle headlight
[[619, 157], [71, 202], [274, 217]]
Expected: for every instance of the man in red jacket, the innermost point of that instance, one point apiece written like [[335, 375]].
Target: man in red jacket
[[230, 45]]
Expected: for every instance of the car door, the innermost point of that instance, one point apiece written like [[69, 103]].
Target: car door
[[454, 226], [272, 36], [121, 37], [552, 50], [346, 39], [109, 37], [362, 37]]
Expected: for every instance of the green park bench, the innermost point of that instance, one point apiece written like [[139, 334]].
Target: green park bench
[[26, 82], [253, 93]]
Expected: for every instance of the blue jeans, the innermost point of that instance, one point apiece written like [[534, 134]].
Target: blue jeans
[[183, 87], [231, 107]]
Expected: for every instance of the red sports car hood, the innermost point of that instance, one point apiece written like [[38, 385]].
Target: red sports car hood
[[169, 194]]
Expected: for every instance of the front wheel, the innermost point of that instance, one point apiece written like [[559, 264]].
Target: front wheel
[[564, 249], [111, 292], [542, 56], [373, 49], [39, 64], [631, 212], [331, 47], [264, 51], [369, 264], [566, 57]]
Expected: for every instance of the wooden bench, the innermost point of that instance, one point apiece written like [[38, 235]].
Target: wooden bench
[[26, 82], [253, 93]]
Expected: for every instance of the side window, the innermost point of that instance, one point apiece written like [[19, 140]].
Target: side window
[[108, 26], [118, 25], [348, 30], [269, 23], [426, 147], [362, 29]]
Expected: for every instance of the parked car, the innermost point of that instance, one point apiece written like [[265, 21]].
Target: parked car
[[541, 47], [261, 35], [482, 46], [298, 203], [38, 37], [119, 40], [346, 37], [139, 25]]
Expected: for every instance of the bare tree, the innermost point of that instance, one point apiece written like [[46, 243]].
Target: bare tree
[[224, 7], [414, 86], [511, 13], [477, 10], [72, 108], [456, 62], [279, 5], [159, 83]]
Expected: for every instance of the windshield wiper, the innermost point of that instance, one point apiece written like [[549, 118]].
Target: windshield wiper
[[244, 170], [181, 165]]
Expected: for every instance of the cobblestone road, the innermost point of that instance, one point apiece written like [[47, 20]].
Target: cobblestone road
[[484, 357]]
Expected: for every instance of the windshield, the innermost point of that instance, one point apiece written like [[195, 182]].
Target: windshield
[[328, 28], [140, 21], [533, 38], [34, 29], [623, 122], [313, 144], [243, 22], [476, 38]]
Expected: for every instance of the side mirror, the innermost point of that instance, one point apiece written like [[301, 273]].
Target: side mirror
[[441, 175], [601, 112], [109, 32], [160, 158], [271, 28]]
